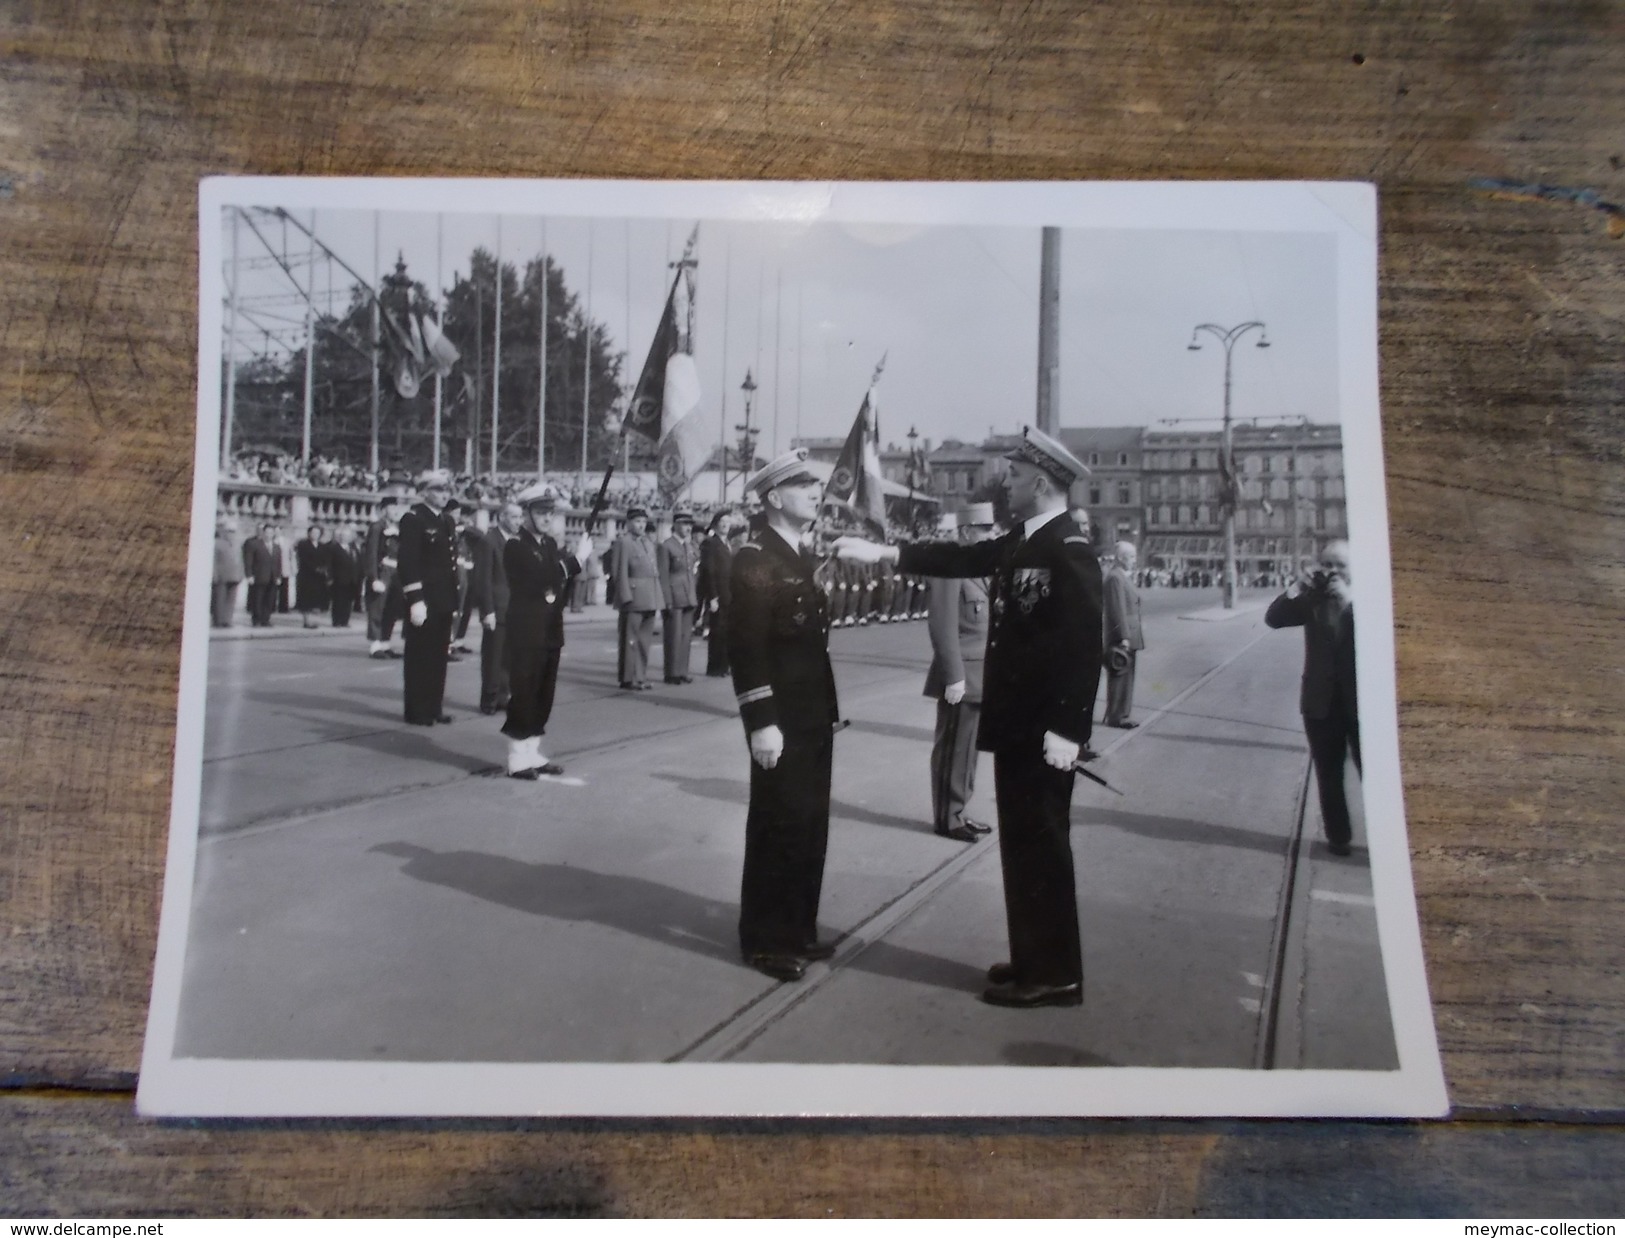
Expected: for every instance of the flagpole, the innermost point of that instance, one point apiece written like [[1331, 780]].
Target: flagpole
[[440, 309], [372, 455], [722, 430], [541, 384], [310, 350], [586, 366], [496, 357], [778, 352], [231, 344]]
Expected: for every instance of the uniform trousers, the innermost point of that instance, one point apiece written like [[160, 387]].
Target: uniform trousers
[[1120, 691], [1332, 740], [786, 835], [953, 762], [384, 610], [677, 640], [1035, 851], [425, 667], [494, 667], [637, 634], [533, 675], [716, 646]]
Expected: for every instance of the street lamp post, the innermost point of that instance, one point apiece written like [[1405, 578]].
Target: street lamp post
[[1228, 336], [913, 434], [747, 433]]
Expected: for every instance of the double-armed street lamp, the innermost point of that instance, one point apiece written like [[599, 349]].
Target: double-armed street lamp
[[1228, 336]]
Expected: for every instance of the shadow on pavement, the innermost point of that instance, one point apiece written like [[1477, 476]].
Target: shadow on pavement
[[736, 791], [1220, 741], [396, 740], [895, 730], [1178, 829], [658, 913], [1042, 1053]]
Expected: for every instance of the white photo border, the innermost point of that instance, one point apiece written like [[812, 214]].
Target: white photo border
[[173, 1086]]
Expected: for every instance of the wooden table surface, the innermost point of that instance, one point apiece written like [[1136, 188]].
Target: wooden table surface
[[1503, 384]]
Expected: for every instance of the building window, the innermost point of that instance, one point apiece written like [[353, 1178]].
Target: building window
[[1094, 456], [1094, 491], [1153, 488], [1165, 515], [1264, 464], [1122, 456], [1184, 514], [1201, 511], [1124, 498], [1320, 517], [1196, 461]]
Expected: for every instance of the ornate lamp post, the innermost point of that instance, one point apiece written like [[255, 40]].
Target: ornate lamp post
[[1228, 336], [747, 432]]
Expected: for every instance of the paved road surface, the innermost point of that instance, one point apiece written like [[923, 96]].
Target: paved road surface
[[372, 890]]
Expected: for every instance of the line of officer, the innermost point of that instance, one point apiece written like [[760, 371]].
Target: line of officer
[[778, 645], [539, 576], [1041, 676], [428, 575]]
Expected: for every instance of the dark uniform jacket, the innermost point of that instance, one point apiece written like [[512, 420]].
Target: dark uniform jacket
[[716, 566], [960, 612], [343, 568], [1042, 671], [428, 559], [1122, 611], [778, 640], [537, 574], [676, 560], [491, 574], [1328, 648]]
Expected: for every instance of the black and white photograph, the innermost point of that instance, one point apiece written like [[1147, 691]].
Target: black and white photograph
[[707, 648]]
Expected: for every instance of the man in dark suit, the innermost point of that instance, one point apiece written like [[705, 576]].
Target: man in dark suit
[[343, 575], [261, 568], [778, 644], [677, 559], [636, 594], [428, 573], [1123, 637], [1322, 604], [538, 575], [491, 596], [716, 591], [1040, 678], [958, 626]]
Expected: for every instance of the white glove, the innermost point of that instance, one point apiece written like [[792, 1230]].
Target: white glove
[[861, 550], [379, 586], [712, 605], [1059, 753], [767, 746], [584, 548], [954, 692], [419, 614], [490, 621]]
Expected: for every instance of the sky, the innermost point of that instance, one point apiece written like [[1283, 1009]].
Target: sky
[[811, 309]]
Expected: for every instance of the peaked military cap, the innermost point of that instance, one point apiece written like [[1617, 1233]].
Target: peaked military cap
[[978, 514], [636, 511], [1042, 451], [537, 494], [790, 467], [434, 477]]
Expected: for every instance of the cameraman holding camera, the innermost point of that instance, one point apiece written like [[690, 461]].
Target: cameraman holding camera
[[1322, 604]]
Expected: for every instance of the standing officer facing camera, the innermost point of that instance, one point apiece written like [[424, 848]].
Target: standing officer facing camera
[[428, 575], [538, 576], [778, 645], [1038, 695]]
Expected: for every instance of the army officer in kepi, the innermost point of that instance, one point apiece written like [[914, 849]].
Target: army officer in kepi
[[778, 646], [539, 575], [1038, 692]]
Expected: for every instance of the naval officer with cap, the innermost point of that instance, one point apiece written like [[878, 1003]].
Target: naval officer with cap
[[428, 574], [1040, 677], [539, 575], [778, 646]]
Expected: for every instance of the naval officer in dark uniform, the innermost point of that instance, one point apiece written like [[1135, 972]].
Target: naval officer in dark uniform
[[778, 646], [1038, 691], [539, 576], [428, 575]]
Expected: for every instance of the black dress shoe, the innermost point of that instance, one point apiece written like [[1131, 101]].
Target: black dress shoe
[[1126, 725], [1002, 973], [1340, 849], [627, 686], [646, 687], [529, 775], [488, 709], [959, 833], [779, 966], [550, 769], [444, 718], [686, 679], [817, 952], [1026, 996], [672, 679], [977, 826], [393, 653]]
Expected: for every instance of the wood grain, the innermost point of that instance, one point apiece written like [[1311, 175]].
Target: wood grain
[[1502, 377]]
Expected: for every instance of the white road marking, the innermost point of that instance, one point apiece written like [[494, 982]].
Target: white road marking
[[1337, 896]]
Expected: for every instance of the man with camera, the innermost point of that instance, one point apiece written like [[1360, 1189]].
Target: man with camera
[[1321, 602]]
